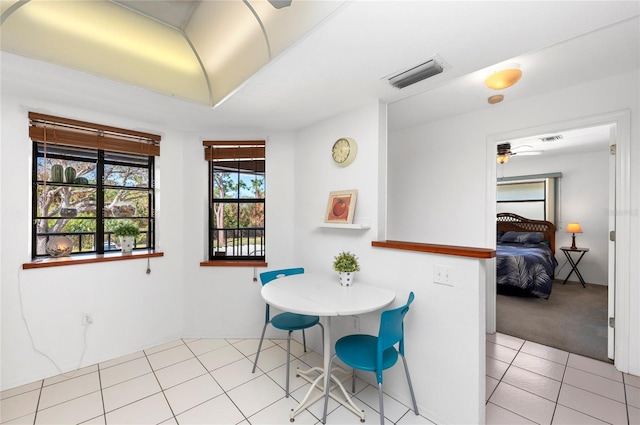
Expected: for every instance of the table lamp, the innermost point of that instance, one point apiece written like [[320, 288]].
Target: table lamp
[[573, 228], [59, 246]]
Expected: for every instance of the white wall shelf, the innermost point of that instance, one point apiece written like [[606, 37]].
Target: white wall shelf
[[355, 226]]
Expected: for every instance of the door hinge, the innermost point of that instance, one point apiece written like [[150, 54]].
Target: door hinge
[[612, 236], [612, 322], [612, 149]]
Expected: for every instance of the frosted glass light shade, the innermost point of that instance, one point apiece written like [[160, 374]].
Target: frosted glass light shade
[[59, 246], [504, 78]]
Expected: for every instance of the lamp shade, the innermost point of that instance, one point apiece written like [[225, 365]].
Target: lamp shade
[[59, 246], [574, 228]]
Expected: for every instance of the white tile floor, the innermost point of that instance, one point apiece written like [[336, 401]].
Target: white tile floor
[[190, 381], [530, 383], [209, 381]]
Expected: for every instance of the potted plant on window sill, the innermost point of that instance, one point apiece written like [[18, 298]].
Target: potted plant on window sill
[[127, 232], [346, 264]]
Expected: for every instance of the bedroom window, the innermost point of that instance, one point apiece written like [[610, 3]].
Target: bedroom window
[[533, 198], [236, 200], [87, 178]]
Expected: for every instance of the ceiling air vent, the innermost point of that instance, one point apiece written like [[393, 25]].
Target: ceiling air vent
[[415, 74], [551, 138]]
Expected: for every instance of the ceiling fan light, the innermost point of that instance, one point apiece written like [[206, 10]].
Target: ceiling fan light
[[502, 158], [503, 79]]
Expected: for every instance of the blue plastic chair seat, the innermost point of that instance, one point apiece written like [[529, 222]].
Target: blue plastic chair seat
[[359, 351], [293, 321]]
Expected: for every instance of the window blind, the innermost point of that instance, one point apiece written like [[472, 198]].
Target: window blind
[[69, 132], [247, 155]]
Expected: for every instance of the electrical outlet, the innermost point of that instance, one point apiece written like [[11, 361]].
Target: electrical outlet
[[442, 275], [87, 319]]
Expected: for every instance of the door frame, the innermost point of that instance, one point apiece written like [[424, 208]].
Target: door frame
[[622, 269]]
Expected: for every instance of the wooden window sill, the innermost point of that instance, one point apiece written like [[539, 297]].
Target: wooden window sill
[[233, 263], [90, 258], [460, 251]]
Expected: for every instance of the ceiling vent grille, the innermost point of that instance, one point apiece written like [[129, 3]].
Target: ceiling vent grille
[[415, 74], [551, 138]]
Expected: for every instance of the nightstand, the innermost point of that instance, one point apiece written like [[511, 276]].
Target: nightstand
[[574, 264]]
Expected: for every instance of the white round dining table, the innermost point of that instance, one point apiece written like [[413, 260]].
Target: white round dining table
[[322, 295]]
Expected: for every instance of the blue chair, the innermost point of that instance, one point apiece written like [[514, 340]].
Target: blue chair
[[375, 354], [285, 321]]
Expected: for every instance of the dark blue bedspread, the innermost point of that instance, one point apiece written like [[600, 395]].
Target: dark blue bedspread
[[529, 267]]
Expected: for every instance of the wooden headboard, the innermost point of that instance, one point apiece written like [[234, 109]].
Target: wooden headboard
[[512, 222]]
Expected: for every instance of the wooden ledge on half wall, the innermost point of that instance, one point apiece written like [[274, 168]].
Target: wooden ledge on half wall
[[460, 251], [91, 258]]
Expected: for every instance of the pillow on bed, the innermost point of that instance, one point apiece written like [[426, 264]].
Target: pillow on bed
[[522, 237], [499, 235]]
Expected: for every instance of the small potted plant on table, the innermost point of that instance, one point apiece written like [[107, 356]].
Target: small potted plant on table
[[127, 231], [346, 264]]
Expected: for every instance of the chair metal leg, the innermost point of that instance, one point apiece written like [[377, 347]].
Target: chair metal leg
[[326, 390], [304, 341], [255, 362], [288, 359], [353, 381], [380, 401], [413, 397]]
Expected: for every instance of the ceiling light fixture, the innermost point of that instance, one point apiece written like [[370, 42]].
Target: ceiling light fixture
[[279, 4], [504, 78], [415, 74], [496, 98]]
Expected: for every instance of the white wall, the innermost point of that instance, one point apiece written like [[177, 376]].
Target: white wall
[[132, 310], [225, 301], [583, 197], [445, 327], [442, 167]]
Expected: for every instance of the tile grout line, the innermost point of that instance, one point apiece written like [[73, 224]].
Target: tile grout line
[[224, 391], [519, 350], [564, 372], [104, 408], [265, 373], [626, 400], [159, 384], [35, 416]]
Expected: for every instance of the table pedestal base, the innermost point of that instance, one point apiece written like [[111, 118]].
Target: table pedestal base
[[311, 398]]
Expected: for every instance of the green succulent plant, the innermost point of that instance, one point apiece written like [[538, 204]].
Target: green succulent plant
[[126, 228], [346, 262]]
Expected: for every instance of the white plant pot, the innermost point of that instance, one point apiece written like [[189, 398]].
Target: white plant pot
[[346, 278], [126, 243]]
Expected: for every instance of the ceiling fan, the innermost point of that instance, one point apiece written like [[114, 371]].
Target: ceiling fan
[[505, 152]]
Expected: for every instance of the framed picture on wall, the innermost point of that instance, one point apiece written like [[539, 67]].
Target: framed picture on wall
[[341, 206]]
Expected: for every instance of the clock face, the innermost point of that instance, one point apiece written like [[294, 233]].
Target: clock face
[[344, 151]]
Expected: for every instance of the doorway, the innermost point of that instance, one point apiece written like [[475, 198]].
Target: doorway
[[615, 264]]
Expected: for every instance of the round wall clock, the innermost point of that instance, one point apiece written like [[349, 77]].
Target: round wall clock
[[344, 151]]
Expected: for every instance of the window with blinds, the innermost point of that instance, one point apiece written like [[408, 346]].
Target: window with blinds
[[532, 197], [86, 180], [236, 199]]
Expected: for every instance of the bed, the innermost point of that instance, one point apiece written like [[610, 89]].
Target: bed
[[525, 256]]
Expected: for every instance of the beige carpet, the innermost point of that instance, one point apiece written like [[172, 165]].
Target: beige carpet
[[573, 319]]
